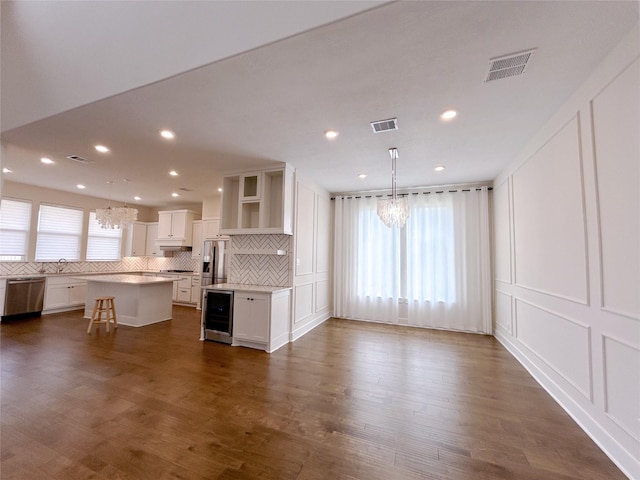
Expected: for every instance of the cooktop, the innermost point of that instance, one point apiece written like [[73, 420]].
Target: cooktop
[[178, 271]]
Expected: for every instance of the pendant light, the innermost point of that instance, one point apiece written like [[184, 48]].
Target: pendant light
[[116, 217], [393, 211]]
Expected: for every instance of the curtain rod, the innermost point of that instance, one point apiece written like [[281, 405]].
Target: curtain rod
[[380, 195]]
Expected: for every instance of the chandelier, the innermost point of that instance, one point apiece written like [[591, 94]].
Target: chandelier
[[116, 217], [393, 211]]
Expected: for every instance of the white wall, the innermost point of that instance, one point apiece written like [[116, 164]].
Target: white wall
[[567, 256], [312, 257]]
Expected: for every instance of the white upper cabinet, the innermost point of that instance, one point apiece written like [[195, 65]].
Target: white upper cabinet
[[210, 228], [258, 202], [175, 227], [196, 251], [137, 240], [153, 248]]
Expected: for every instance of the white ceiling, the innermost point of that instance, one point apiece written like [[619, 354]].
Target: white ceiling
[[87, 76]]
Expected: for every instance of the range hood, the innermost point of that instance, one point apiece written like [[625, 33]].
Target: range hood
[[174, 248]]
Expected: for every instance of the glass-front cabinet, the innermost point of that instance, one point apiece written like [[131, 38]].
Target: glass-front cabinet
[[258, 202], [250, 183]]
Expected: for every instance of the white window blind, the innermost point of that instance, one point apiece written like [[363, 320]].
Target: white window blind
[[103, 243], [15, 219], [59, 233]]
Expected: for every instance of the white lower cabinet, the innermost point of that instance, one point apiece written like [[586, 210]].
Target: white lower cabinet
[[3, 292], [195, 290], [261, 320], [183, 290], [251, 317], [63, 293]]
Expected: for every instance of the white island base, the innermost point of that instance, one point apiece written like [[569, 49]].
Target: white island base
[[139, 300]]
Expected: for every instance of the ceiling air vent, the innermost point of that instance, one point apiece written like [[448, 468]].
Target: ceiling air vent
[[385, 125], [508, 65], [183, 189], [79, 159]]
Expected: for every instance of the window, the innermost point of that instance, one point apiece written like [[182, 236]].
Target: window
[[434, 272], [15, 219], [103, 243], [415, 262], [59, 233], [378, 257]]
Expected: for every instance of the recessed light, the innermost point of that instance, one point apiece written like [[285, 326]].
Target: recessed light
[[173, 173], [46, 160], [448, 114], [168, 134], [439, 168], [362, 175], [137, 198], [80, 186], [6, 170], [174, 194], [220, 189], [101, 148], [331, 134]]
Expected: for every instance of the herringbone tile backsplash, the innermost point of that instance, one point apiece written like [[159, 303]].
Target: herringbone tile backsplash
[[245, 269], [258, 268], [181, 261]]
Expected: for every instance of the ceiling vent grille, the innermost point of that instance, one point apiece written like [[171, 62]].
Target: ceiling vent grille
[[508, 65], [79, 159], [385, 125]]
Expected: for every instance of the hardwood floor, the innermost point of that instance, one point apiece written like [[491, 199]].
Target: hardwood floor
[[347, 401]]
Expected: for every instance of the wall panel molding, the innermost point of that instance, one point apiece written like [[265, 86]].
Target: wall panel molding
[[550, 244], [322, 295], [504, 308], [621, 399], [560, 342], [303, 295], [503, 228], [615, 119]]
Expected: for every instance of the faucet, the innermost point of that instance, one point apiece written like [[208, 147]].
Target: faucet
[[61, 263]]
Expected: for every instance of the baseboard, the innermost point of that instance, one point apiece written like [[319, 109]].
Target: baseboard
[[307, 327], [278, 342], [623, 459]]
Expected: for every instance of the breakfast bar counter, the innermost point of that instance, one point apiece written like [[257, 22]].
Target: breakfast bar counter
[[139, 300]]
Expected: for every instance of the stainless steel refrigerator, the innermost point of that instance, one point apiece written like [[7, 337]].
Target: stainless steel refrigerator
[[214, 262]]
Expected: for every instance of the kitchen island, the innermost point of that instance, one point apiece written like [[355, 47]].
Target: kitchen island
[[139, 300]]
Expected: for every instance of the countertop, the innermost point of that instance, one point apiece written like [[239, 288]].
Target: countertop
[[245, 288], [123, 278], [84, 275]]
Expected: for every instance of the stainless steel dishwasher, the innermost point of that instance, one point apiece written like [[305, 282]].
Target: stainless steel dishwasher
[[24, 296]]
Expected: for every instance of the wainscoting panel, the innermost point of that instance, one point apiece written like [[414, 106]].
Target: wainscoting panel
[[322, 295], [305, 230], [616, 117], [502, 229], [563, 344], [323, 237], [549, 226], [622, 397], [303, 295], [504, 313]]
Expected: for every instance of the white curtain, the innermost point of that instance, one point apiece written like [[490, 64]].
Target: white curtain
[[434, 272], [367, 282]]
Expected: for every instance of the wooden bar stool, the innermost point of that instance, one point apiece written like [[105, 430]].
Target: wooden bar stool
[[107, 306]]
